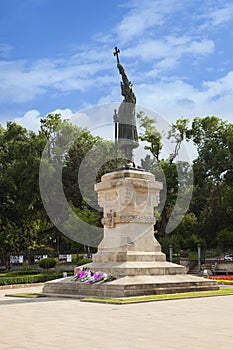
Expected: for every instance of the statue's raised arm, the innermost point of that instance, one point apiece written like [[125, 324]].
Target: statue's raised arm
[[126, 86]]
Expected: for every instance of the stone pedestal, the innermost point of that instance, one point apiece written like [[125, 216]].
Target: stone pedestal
[[129, 250], [128, 198]]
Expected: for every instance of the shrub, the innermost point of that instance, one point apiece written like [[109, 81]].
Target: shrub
[[83, 261], [43, 277], [47, 263], [21, 273], [225, 239]]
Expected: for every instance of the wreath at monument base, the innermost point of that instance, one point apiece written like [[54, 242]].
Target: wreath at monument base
[[85, 275]]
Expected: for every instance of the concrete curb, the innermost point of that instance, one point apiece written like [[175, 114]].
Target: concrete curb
[[13, 286]]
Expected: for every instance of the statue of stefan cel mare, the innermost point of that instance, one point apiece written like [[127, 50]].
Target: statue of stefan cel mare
[[129, 252], [126, 136]]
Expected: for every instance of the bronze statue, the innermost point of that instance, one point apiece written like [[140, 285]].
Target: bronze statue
[[126, 135]]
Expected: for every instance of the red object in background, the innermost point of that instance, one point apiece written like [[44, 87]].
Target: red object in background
[[222, 278]]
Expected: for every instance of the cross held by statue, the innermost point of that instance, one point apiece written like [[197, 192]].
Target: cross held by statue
[[116, 53]]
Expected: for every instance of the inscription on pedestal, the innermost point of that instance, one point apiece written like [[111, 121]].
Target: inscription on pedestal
[[111, 219]]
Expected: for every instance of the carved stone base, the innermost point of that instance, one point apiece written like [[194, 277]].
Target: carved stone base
[[129, 250]]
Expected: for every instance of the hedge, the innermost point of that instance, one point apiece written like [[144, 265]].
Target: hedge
[[83, 262], [19, 273], [42, 277]]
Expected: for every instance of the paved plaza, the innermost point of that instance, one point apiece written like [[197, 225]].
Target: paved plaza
[[49, 323]]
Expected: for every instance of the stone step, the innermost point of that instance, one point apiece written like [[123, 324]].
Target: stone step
[[128, 256], [139, 268], [126, 287]]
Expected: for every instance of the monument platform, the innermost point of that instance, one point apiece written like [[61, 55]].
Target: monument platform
[[130, 286], [129, 251]]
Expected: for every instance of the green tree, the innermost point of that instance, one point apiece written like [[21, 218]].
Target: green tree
[[49, 128], [225, 239], [179, 133], [19, 196], [166, 170], [211, 201], [150, 135]]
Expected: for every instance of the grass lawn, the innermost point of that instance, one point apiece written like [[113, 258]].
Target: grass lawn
[[143, 299], [25, 295]]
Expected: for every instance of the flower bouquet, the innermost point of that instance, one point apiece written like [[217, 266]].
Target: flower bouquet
[[88, 276]]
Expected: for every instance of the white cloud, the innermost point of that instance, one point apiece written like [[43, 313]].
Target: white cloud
[[201, 47], [169, 47], [22, 81], [142, 16], [18, 84], [30, 120], [65, 113], [222, 86], [135, 24], [222, 15], [80, 119], [166, 53], [174, 99]]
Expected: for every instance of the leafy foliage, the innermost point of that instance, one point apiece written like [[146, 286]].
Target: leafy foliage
[[42, 277], [225, 239], [47, 263], [210, 211], [84, 261]]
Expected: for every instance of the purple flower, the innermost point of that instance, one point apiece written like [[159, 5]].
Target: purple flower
[[89, 276], [82, 274]]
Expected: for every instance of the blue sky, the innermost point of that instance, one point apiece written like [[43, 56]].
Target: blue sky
[[57, 55]]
